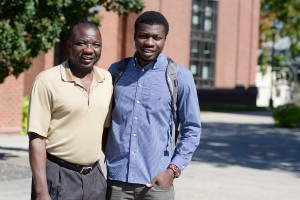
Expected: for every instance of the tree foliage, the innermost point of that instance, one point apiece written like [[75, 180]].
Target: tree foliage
[[286, 14], [30, 27]]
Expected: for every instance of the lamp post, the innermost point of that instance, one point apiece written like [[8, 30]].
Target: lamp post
[[274, 30]]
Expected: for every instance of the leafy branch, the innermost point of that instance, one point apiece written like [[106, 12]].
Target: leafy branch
[[31, 27]]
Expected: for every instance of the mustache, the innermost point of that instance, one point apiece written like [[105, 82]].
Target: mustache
[[146, 47]]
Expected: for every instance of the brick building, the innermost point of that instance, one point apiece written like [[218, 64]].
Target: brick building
[[216, 40]]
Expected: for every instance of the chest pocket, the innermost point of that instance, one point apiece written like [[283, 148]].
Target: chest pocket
[[160, 92], [146, 93], [160, 97], [155, 89]]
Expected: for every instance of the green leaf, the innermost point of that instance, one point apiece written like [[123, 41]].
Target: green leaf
[[31, 27]]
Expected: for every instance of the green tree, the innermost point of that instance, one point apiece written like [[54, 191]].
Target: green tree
[[30, 27], [287, 15]]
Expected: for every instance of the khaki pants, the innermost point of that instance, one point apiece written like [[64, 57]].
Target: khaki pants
[[117, 190]]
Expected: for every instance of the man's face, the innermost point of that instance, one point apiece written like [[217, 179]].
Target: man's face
[[85, 48], [149, 42]]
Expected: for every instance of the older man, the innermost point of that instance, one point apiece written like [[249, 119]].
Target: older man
[[69, 110]]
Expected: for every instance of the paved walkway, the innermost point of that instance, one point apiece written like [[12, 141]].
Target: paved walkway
[[241, 157]]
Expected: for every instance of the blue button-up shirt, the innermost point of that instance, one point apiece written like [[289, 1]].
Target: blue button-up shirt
[[140, 132]]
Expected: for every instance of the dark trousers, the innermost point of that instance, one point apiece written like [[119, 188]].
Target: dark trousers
[[67, 184], [117, 190]]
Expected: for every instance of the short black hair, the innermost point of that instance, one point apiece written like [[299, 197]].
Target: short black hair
[[86, 25], [151, 18]]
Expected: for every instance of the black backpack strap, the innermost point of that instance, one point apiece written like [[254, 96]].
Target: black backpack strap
[[122, 65], [120, 69], [171, 76]]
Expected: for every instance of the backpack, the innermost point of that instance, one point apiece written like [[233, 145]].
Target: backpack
[[171, 77]]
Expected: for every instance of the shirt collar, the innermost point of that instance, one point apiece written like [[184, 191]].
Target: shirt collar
[[153, 64], [67, 75]]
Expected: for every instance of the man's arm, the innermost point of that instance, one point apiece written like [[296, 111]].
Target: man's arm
[[37, 159], [189, 118]]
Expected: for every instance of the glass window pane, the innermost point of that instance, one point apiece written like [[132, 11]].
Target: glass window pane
[[205, 72], [195, 20], [194, 68], [208, 11], [195, 49], [196, 8], [207, 25], [203, 42]]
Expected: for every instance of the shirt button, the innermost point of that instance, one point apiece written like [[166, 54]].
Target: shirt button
[[138, 101], [135, 118], [143, 70], [133, 152], [140, 85], [134, 134]]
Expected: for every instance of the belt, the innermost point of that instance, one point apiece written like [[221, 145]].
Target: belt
[[82, 169]]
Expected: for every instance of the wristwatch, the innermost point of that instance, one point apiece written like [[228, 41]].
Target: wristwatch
[[175, 170]]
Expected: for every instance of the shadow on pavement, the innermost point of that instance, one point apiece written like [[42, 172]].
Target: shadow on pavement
[[6, 155], [13, 149], [255, 113], [250, 145]]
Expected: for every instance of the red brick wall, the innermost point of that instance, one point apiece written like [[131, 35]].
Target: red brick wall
[[11, 95], [111, 31], [13, 90], [179, 15], [40, 63], [178, 40], [237, 42]]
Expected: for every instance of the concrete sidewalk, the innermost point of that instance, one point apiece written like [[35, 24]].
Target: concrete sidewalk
[[241, 156]]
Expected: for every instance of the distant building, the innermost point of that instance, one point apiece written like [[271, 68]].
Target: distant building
[[280, 87], [216, 40], [282, 83]]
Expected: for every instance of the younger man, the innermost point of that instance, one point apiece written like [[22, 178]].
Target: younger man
[[139, 164]]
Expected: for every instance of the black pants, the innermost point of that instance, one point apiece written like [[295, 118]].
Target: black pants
[[70, 185]]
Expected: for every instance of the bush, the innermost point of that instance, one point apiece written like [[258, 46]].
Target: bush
[[25, 104], [287, 116]]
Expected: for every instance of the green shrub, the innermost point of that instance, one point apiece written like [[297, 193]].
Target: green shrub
[[25, 104], [287, 116]]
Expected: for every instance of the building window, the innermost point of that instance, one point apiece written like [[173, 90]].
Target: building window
[[203, 42]]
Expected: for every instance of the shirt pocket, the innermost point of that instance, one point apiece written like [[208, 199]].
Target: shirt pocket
[[146, 93], [157, 92], [160, 92], [160, 97]]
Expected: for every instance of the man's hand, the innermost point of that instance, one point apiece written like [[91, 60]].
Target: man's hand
[[163, 179]]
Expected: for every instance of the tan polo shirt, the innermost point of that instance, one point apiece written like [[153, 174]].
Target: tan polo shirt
[[71, 119]]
